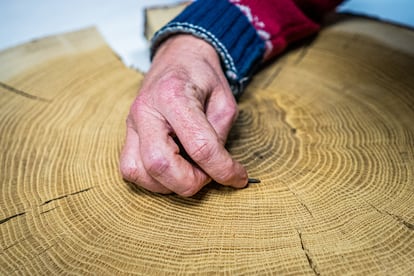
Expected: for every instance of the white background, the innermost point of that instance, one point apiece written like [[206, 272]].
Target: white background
[[121, 21]]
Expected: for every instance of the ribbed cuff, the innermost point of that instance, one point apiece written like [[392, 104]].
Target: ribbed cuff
[[227, 29]]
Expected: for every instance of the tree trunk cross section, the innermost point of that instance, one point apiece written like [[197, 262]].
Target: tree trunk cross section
[[327, 128]]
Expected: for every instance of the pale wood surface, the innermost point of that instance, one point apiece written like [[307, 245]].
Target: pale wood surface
[[156, 17], [328, 128]]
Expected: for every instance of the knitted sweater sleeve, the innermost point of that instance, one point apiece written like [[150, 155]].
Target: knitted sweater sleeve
[[247, 32]]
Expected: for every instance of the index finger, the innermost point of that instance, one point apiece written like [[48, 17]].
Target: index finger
[[204, 146]]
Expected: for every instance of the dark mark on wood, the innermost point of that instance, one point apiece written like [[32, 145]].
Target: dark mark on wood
[[22, 93], [308, 257], [272, 77], [302, 55], [47, 248], [47, 211], [407, 224], [300, 201], [399, 219], [11, 217], [64, 196]]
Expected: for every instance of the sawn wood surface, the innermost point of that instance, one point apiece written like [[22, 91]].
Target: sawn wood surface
[[328, 128]]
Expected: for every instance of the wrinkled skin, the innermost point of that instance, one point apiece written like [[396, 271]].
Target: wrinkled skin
[[184, 96]]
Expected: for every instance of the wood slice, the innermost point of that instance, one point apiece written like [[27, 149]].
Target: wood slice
[[158, 16], [328, 128]]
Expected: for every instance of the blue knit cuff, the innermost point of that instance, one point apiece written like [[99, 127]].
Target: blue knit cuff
[[228, 30]]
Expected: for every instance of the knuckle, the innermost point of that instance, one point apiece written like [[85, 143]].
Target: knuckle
[[138, 105], [130, 172], [226, 114], [173, 80], [175, 76], [140, 178], [129, 121], [177, 88], [189, 190], [231, 112], [136, 111], [193, 183], [156, 165], [234, 109], [202, 151]]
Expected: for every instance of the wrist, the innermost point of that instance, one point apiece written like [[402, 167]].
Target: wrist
[[179, 45], [224, 26]]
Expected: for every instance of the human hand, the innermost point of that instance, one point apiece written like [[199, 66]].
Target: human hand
[[184, 96]]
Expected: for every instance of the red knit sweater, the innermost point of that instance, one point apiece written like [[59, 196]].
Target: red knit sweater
[[280, 22], [247, 32]]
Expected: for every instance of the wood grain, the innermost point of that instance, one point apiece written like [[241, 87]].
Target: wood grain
[[328, 128]]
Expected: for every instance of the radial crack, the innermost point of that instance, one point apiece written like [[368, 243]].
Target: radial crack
[[47, 211], [410, 226], [64, 196], [22, 93], [399, 219], [11, 217], [301, 201], [273, 76], [302, 54], [47, 248], [311, 263]]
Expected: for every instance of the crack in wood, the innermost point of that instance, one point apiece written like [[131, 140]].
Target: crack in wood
[[11, 217], [11, 245], [293, 129], [304, 48], [22, 93], [301, 201], [272, 77], [399, 219], [405, 223], [47, 248], [302, 54], [64, 196], [14, 244], [311, 262], [47, 211]]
